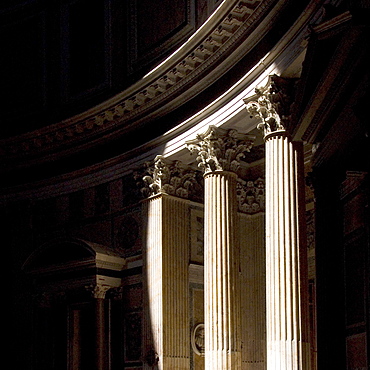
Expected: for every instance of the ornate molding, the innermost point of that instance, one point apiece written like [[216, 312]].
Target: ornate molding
[[273, 105], [172, 178], [98, 290], [220, 150], [251, 195], [124, 110]]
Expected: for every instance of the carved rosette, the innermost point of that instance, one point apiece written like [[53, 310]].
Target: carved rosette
[[220, 150], [172, 178], [273, 105]]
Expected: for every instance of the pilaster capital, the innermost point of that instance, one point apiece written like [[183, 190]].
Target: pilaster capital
[[273, 106], [220, 150], [98, 290], [172, 178]]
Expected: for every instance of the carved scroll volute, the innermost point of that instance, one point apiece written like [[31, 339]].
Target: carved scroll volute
[[272, 105], [158, 176], [220, 150]]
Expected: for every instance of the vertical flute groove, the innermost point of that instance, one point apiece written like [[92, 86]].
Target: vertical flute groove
[[166, 282], [222, 332], [287, 346]]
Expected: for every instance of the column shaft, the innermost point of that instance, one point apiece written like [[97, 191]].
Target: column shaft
[[166, 258], [101, 363], [221, 278], [286, 281]]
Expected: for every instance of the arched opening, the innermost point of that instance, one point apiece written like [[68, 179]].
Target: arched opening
[[72, 317]]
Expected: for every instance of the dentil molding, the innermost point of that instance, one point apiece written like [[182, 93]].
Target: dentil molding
[[155, 93]]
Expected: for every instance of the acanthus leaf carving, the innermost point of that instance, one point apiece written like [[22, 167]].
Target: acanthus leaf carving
[[273, 105], [251, 195], [220, 150], [172, 178], [98, 290]]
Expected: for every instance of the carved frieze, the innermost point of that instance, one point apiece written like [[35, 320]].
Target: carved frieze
[[220, 150], [273, 105], [172, 178], [251, 195]]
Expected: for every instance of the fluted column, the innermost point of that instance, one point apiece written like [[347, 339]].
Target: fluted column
[[166, 330], [288, 344], [166, 338], [219, 152]]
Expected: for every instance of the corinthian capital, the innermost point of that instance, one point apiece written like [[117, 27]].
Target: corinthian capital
[[98, 290], [272, 105], [172, 178], [219, 149]]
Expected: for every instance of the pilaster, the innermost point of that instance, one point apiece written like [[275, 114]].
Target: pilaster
[[253, 290], [166, 339]]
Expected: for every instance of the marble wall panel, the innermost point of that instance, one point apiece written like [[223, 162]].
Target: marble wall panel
[[197, 234]]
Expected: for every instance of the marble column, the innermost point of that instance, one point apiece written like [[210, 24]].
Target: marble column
[[287, 319], [219, 153], [101, 350]]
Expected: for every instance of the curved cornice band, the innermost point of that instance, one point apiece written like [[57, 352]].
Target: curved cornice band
[[173, 83], [227, 110]]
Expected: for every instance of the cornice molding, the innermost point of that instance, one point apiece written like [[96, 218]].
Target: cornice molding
[[226, 108], [155, 94]]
